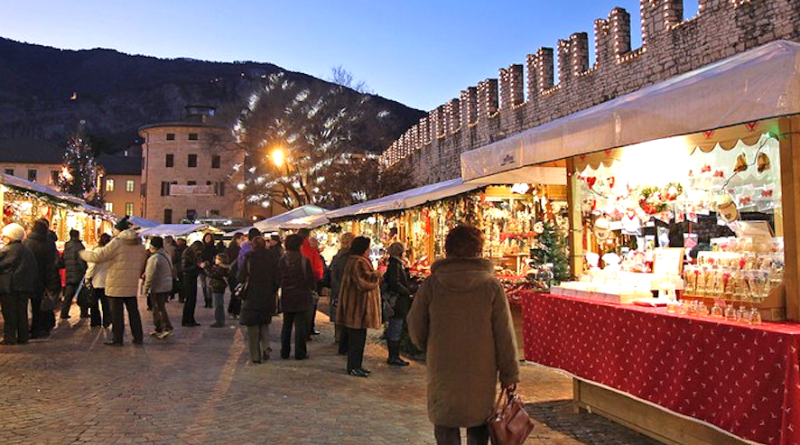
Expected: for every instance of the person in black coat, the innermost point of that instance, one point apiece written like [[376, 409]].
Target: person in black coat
[[207, 254], [297, 284], [18, 274], [399, 288], [190, 265], [260, 272], [75, 269], [232, 252], [177, 263], [40, 242]]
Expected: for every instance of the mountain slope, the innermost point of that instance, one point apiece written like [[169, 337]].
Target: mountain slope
[[117, 93]]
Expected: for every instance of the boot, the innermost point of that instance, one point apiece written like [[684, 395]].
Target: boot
[[394, 354]]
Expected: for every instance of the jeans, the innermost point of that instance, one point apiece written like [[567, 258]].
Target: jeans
[[219, 307], [99, 299], [258, 342], [300, 322], [395, 329], [118, 306], [357, 339], [160, 316], [478, 435], [190, 294], [206, 290], [15, 317]]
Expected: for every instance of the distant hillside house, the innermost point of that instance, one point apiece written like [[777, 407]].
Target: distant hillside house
[[120, 179], [35, 160], [188, 170]]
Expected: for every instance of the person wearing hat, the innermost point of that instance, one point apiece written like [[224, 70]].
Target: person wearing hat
[[40, 241], [158, 279], [18, 274], [125, 255], [398, 286]]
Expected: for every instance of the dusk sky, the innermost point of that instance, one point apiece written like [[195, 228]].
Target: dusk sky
[[421, 53]]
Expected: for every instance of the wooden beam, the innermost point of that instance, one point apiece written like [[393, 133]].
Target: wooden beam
[[790, 184], [575, 238]]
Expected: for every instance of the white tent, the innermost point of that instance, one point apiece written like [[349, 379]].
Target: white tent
[[755, 85], [306, 222], [173, 230], [273, 224]]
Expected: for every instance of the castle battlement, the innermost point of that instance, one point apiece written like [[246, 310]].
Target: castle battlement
[[526, 95]]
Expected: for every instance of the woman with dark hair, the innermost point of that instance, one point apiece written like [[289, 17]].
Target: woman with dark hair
[[260, 271], [461, 318], [359, 306], [96, 281], [297, 283], [207, 255], [44, 249]]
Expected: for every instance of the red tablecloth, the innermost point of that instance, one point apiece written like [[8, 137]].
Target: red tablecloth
[[742, 379]]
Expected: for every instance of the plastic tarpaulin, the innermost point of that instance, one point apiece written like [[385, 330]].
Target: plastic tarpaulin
[[273, 224], [173, 230], [759, 84], [306, 222]]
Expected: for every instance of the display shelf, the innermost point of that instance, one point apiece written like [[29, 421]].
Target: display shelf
[[772, 308]]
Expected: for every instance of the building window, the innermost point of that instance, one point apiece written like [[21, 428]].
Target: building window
[[191, 183], [130, 186], [219, 189], [54, 176], [191, 214], [32, 175], [165, 188], [170, 136], [10, 171], [109, 185], [170, 161], [192, 161], [167, 216], [216, 161], [110, 207], [129, 208], [192, 136], [213, 213]]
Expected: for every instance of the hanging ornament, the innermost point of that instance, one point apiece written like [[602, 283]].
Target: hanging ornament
[[741, 163], [763, 162], [602, 229], [727, 209]]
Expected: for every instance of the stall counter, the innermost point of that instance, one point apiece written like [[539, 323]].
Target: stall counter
[[741, 381]]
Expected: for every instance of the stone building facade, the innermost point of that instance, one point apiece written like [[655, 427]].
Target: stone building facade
[[188, 170], [120, 180], [526, 95], [32, 159]]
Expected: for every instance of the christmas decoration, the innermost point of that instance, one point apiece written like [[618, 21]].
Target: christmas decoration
[[78, 175]]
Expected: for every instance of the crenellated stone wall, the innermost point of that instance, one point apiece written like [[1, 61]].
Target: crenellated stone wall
[[526, 96]]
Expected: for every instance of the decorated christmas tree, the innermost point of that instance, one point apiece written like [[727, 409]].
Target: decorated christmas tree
[[554, 244], [78, 171]]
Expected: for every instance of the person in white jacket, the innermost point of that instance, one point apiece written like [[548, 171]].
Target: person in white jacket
[[125, 255], [96, 281], [158, 279]]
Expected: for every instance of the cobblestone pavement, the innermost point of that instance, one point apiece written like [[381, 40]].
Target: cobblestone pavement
[[198, 387]]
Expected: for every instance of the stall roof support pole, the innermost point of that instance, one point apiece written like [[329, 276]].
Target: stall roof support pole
[[790, 183], [575, 239]]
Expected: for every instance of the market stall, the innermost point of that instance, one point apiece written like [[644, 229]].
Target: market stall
[[687, 191], [24, 202], [192, 232], [273, 224]]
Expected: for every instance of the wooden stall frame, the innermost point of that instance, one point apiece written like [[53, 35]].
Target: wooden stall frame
[[790, 184]]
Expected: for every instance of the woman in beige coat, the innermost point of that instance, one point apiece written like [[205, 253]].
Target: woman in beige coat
[[125, 256], [359, 306], [461, 318]]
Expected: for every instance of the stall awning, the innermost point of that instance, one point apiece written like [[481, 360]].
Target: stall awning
[[306, 222], [19, 183], [755, 85], [273, 224], [143, 223], [173, 229]]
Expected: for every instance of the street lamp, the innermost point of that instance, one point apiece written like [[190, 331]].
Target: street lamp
[[278, 157]]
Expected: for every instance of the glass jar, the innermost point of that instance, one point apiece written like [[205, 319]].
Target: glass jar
[[754, 317], [716, 311], [741, 314], [730, 313]]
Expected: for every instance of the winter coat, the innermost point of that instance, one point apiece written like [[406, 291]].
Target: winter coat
[[18, 269], [297, 282], [260, 270], [97, 273], [398, 282], [169, 249], [125, 255], [73, 264], [190, 261], [317, 265], [177, 259], [336, 271], [461, 318], [217, 278], [46, 254], [158, 274], [359, 295], [246, 248], [232, 252], [208, 253]]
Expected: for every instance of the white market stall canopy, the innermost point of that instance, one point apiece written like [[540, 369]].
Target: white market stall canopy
[[273, 224], [143, 223], [306, 222], [759, 84], [174, 230], [19, 183]]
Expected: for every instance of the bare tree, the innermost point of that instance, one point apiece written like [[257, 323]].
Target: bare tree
[[341, 76]]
